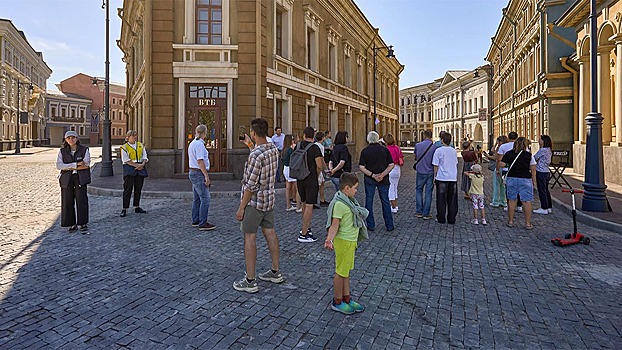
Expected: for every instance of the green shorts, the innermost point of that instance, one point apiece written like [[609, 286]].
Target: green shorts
[[344, 256], [253, 219]]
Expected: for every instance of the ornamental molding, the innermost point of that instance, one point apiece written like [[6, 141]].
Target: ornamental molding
[[347, 48], [312, 19], [333, 35]]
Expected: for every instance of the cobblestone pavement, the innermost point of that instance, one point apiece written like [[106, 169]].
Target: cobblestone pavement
[[152, 281]]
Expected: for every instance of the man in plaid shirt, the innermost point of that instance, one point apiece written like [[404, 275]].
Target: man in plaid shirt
[[257, 204]]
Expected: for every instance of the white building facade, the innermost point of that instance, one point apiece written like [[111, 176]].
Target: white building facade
[[21, 66], [67, 112], [416, 111], [461, 106]]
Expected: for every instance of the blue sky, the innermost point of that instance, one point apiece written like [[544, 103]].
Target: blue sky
[[429, 36]]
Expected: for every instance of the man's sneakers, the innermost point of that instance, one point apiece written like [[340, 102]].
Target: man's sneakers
[[395, 210], [427, 217], [518, 209], [84, 229], [550, 210], [541, 211], [244, 285], [206, 227], [418, 215], [72, 228], [308, 238], [290, 209], [271, 276]]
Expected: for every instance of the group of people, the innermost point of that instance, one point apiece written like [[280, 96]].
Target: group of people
[[515, 173]]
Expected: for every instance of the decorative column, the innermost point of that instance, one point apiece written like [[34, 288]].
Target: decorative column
[[604, 92], [584, 95], [618, 92]]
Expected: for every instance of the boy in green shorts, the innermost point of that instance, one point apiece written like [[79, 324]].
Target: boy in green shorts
[[346, 226]]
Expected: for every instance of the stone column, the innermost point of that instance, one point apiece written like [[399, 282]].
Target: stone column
[[604, 92], [618, 93]]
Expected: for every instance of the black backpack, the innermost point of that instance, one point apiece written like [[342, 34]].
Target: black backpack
[[298, 166]]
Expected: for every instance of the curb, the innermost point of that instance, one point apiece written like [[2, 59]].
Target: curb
[[588, 220], [107, 192]]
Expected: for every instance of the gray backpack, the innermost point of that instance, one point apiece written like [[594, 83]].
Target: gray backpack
[[298, 166]]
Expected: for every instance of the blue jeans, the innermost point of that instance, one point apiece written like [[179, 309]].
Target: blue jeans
[[336, 182], [200, 204], [383, 192], [423, 203]]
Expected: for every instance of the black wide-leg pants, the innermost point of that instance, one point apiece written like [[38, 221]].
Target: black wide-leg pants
[[74, 197]]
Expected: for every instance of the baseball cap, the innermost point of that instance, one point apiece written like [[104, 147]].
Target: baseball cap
[[71, 133]]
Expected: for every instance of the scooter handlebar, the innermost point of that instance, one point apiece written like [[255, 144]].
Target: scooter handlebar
[[572, 190]]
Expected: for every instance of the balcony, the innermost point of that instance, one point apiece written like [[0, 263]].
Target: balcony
[[67, 119]]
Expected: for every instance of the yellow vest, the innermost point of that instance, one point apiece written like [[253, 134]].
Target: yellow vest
[[134, 154]]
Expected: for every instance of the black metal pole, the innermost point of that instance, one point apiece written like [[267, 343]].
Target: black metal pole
[[594, 196], [375, 115], [106, 169], [17, 140]]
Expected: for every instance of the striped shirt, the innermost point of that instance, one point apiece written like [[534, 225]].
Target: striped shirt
[[260, 176]]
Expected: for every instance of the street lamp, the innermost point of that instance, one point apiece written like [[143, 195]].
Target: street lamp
[[19, 116], [594, 197], [390, 54], [106, 169]]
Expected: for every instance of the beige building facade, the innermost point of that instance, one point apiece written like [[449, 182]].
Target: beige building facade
[[461, 105], [20, 66], [532, 87], [416, 111], [224, 62], [609, 88]]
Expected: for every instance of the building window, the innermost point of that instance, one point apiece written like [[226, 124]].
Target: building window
[[53, 111], [349, 126], [279, 32], [312, 23], [311, 49], [82, 113], [481, 101], [278, 114], [114, 115], [470, 106], [359, 76], [72, 128], [347, 66], [114, 101], [73, 113], [63, 112], [332, 62], [81, 133], [209, 22]]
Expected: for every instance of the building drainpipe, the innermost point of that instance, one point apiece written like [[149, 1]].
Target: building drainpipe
[[575, 87], [542, 65]]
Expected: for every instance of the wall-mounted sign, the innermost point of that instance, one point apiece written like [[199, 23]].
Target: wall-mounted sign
[[482, 114], [561, 102]]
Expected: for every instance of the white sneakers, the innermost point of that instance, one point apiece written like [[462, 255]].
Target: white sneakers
[[541, 211], [395, 210], [518, 209]]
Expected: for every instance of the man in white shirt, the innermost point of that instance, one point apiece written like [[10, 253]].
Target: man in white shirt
[[278, 139], [198, 162], [503, 149], [445, 163]]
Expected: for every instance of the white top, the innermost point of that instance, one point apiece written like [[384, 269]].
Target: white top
[[60, 165], [321, 146], [503, 149], [446, 158], [278, 141], [125, 157], [269, 139], [196, 151]]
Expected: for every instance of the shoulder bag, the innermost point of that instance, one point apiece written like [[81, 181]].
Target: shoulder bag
[[423, 155], [504, 177]]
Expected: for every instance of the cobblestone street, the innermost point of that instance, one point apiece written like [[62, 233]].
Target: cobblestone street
[[153, 282]]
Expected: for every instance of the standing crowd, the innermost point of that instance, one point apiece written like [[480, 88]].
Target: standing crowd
[[306, 165]]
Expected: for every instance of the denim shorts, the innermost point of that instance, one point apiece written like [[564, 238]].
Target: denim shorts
[[518, 186]]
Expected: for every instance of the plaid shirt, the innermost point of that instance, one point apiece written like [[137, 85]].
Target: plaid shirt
[[260, 176]]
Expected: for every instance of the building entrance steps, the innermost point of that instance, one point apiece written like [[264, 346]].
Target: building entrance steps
[[223, 185]]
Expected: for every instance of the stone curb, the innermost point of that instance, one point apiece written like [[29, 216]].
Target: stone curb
[[588, 220], [108, 192]]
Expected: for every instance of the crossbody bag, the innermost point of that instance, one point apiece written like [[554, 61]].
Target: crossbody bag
[[504, 177]]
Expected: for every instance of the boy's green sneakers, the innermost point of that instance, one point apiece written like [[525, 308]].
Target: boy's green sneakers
[[343, 308], [356, 306]]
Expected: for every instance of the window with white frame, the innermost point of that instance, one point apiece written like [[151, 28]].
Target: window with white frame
[[347, 65], [333, 125], [53, 111], [332, 62], [208, 14], [349, 125], [313, 119], [81, 133], [283, 29], [278, 113], [312, 23]]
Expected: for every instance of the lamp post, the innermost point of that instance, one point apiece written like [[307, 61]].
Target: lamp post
[[106, 169], [390, 54], [594, 197], [17, 139]]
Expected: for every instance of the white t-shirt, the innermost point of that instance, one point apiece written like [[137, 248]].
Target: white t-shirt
[[196, 151], [503, 149], [321, 146], [446, 158]]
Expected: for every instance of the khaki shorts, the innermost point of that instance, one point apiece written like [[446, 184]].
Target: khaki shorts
[[253, 219]]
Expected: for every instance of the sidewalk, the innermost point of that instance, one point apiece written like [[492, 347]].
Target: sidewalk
[[611, 221], [159, 187]]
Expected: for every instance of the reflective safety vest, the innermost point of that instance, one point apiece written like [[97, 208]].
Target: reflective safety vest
[[134, 154]]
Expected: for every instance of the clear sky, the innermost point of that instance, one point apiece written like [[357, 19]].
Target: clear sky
[[429, 36]]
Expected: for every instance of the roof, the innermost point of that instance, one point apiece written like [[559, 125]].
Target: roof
[[452, 75]]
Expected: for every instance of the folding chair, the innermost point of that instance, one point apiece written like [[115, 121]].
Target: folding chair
[[559, 162]]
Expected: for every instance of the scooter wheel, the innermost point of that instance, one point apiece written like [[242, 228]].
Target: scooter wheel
[[586, 241], [568, 236]]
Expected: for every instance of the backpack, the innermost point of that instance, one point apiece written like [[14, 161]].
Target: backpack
[[298, 166]]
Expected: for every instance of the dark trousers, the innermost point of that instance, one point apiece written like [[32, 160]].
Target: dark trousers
[[72, 197], [542, 180], [446, 201], [129, 183]]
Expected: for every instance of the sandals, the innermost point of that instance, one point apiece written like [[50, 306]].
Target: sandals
[[510, 224], [529, 227]]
